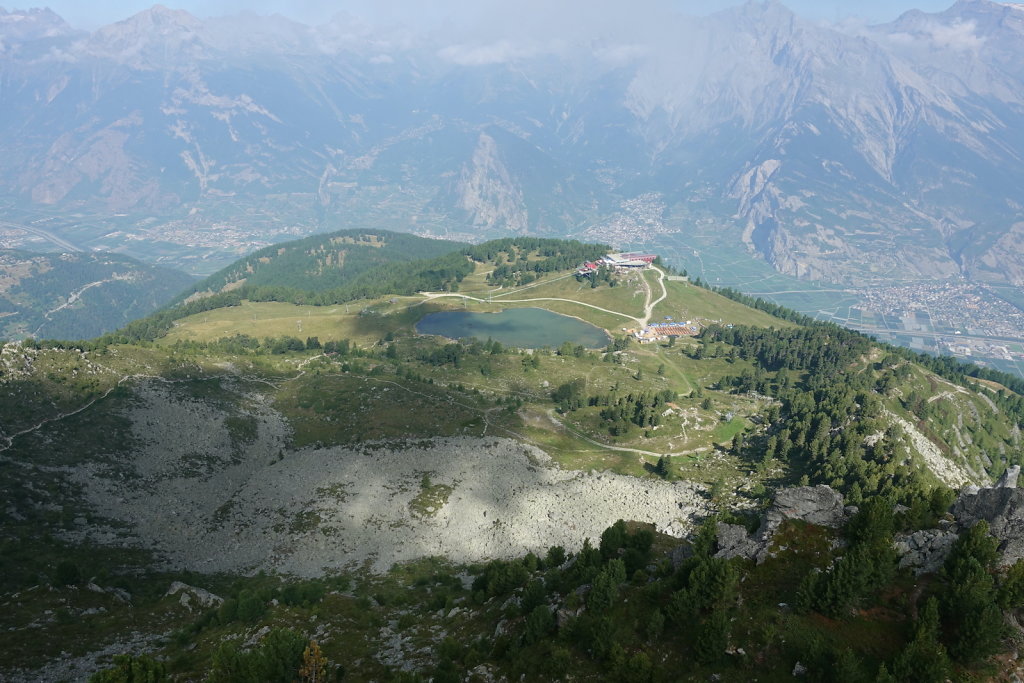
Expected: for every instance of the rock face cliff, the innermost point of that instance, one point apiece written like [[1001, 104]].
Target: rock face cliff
[[488, 192], [889, 153], [1000, 506], [820, 505]]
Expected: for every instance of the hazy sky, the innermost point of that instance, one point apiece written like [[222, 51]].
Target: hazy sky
[[92, 13]]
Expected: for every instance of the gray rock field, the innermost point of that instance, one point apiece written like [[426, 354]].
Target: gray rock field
[[203, 504]]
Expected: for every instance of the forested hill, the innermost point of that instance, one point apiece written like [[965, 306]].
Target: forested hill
[[324, 262], [79, 295]]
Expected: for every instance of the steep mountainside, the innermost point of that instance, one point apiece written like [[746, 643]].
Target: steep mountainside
[[79, 296], [887, 154]]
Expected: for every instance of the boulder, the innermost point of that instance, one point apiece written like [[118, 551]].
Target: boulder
[[821, 505], [191, 594], [734, 541], [924, 551]]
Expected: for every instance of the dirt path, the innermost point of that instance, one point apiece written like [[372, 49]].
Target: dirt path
[[649, 308], [642, 322], [532, 285]]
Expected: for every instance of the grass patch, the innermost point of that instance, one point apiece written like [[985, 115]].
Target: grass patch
[[345, 409], [688, 302], [430, 499]]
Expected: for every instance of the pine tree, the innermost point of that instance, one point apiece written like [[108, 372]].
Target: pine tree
[[661, 469], [970, 603], [314, 664], [924, 659], [713, 637]]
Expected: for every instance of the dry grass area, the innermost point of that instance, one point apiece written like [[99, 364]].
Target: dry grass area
[[688, 302], [275, 319]]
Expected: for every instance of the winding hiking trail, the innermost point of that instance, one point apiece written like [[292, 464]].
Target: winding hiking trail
[[649, 308], [621, 449], [641, 322]]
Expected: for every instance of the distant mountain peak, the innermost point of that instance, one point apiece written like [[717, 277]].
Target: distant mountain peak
[[32, 24], [155, 36], [988, 8], [160, 16]]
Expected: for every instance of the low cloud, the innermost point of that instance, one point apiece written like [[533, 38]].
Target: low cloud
[[958, 36], [499, 52]]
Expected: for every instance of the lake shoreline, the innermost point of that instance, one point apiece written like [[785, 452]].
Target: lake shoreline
[[520, 327]]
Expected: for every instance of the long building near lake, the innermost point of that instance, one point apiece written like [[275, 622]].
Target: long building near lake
[[619, 261]]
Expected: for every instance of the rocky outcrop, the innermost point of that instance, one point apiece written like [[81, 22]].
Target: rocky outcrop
[[734, 541], [924, 551], [191, 595], [821, 505], [1002, 507], [1009, 478]]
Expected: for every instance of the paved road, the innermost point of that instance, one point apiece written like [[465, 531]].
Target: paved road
[[59, 241]]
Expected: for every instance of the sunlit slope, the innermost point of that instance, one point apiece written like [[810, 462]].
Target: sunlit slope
[[612, 308]]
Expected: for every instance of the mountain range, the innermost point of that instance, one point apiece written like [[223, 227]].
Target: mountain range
[[839, 153]]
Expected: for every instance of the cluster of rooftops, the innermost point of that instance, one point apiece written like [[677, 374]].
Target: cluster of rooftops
[[618, 261]]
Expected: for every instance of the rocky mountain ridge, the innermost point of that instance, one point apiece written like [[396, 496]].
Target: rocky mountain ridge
[[883, 153]]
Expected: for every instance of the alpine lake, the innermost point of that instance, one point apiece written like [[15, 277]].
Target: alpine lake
[[528, 328]]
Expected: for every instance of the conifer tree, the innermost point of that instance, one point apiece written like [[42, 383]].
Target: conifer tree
[[661, 469], [314, 664], [924, 659]]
